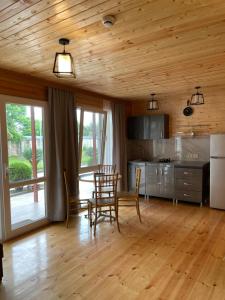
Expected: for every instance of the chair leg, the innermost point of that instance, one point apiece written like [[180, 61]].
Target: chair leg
[[117, 217], [138, 210], [67, 217], [96, 217], [110, 211], [90, 214]]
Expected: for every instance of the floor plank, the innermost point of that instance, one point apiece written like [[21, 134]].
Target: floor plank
[[177, 253]]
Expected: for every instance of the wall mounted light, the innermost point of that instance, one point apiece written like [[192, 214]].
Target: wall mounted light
[[197, 98], [63, 64], [153, 103]]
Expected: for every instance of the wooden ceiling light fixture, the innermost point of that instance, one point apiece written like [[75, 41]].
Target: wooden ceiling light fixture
[[63, 64]]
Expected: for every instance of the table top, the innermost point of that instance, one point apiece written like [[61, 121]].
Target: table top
[[89, 177]]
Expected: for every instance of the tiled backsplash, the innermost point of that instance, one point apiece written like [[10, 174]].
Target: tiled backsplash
[[177, 148]]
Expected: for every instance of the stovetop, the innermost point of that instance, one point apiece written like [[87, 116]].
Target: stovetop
[[164, 160]]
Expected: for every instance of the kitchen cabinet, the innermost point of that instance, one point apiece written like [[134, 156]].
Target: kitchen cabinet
[[159, 127], [160, 180], [148, 127], [132, 177], [191, 182], [136, 128], [187, 181]]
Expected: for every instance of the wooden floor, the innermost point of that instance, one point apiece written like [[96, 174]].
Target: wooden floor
[[177, 253]]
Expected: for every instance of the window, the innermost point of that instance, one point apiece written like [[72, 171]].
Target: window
[[91, 134]]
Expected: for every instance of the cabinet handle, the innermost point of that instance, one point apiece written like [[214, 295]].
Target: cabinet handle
[[156, 171], [186, 195], [186, 173], [161, 134], [185, 183]]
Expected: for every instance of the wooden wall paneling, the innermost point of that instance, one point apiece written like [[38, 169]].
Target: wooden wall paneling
[[21, 85], [206, 119]]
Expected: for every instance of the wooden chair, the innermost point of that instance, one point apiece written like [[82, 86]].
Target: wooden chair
[[131, 198], [73, 204], [107, 169], [104, 201]]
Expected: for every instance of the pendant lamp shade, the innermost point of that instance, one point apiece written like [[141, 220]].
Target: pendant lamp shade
[[197, 98], [63, 64], [153, 103]]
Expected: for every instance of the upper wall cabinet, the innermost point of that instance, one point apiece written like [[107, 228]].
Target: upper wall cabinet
[[148, 127]]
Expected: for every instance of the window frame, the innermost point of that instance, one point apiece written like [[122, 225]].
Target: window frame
[[84, 109]]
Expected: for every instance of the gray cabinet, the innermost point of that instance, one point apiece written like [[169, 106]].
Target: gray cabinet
[[191, 184], [131, 176], [136, 128], [148, 127], [160, 180], [159, 127]]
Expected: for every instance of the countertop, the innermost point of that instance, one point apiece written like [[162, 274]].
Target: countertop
[[177, 163], [190, 164]]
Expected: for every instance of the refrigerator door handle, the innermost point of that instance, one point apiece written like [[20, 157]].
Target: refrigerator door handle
[[217, 157]]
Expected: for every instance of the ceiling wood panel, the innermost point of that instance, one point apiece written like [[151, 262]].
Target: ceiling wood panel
[[165, 46]]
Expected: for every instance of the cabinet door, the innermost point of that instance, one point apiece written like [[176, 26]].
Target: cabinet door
[[159, 127], [167, 181], [147, 127], [156, 127], [135, 128], [152, 180], [131, 177], [142, 189]]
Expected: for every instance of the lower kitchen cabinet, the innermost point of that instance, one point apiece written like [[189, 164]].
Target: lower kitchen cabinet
[[131, 177], [186, 181], [160, 180], [191, 184]]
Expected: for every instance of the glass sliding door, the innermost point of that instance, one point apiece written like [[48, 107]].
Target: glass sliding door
[[24, 165]]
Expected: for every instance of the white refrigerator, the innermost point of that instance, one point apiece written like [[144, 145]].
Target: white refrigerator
[[217, 171]]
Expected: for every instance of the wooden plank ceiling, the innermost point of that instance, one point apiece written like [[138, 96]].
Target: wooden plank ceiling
[[162, 46]]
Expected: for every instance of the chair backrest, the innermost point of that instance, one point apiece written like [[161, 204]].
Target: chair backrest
[[107, 169], [138, 179], [105, 186]]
